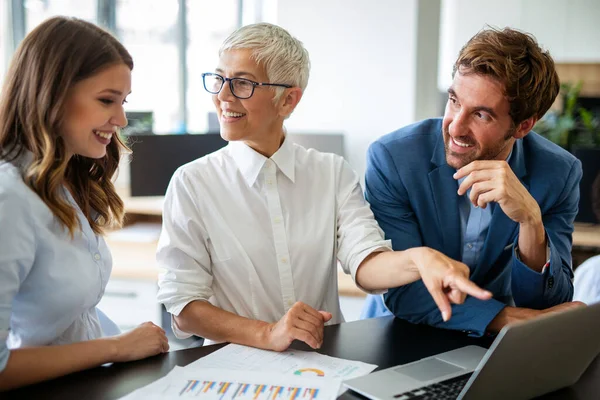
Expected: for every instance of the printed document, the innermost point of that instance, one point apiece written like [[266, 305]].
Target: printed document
[[215, 384], [295, 362]]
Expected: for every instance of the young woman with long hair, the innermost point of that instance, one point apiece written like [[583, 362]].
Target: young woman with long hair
[[61, 109]]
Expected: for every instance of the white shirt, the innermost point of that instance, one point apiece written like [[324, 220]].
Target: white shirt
[[49, 283], [254, 235]]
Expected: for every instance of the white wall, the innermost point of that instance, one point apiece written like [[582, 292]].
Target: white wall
[[363, 72], [461, 19], [427, 97], [569, 29]]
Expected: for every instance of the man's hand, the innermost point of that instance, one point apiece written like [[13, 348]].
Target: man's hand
[[446, 280], [494, 181], [301, 322], [511, 315]]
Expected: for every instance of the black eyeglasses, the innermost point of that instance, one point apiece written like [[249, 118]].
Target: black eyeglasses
[[240, 87]]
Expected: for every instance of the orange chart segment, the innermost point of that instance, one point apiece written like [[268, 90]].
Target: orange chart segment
[[309, 372]]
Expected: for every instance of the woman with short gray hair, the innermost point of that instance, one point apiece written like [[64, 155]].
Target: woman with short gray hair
[[252, 233]]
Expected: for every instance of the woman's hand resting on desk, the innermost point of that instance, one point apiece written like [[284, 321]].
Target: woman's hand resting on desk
[[301, 322], [447, 280], [144, 341]]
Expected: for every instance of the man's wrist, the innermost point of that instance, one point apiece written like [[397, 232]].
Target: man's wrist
[[499, 321], [534, 219], [533, 242], [510, 315]]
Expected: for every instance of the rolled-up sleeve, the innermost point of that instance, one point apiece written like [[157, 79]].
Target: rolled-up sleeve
[[536, 290], [358, 234], [182, 253], [17, 252]]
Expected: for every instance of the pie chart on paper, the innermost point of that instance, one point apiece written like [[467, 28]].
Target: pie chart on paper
[[309, 372]]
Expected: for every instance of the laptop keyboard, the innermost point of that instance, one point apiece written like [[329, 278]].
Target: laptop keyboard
[[448, 389]]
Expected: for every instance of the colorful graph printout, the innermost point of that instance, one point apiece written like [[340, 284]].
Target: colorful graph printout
[[296, 362], [246, 391], [216, 384]]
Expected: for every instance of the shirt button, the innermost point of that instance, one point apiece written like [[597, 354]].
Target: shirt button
[[284, 260], [270, 182], [277, 220], [97, 257]]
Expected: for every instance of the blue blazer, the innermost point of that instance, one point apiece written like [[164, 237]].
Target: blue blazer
[[414, 198]]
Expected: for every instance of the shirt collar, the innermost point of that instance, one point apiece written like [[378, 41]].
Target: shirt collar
[[250, 162], [285, 159]]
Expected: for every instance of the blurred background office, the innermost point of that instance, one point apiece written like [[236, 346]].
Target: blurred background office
[[376, 66]]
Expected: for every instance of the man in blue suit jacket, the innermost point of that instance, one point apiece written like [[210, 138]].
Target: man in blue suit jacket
[[481, 188]]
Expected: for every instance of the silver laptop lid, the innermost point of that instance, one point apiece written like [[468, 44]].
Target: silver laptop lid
[[538, 356]]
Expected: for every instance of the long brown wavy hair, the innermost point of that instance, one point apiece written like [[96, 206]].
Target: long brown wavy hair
[[55, 56]]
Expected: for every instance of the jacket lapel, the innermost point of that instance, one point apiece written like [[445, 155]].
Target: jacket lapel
[[444, 188]]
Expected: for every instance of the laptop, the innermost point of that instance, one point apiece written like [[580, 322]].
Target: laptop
[[527, 359]]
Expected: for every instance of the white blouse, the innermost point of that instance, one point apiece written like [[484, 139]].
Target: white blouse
[[50, 284], [253, 235]]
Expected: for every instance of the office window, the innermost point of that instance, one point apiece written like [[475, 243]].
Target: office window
[[208, 24], [148, 29], [169, 55], [37, 11], [5, 39]]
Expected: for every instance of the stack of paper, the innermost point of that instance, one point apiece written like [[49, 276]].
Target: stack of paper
[[296, 362], [245, 373], [215, 384]]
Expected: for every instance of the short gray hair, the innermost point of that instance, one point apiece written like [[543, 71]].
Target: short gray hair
[[283, 56]]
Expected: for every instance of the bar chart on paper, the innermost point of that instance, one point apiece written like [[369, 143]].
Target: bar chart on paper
[[246, 391], [220, 384]]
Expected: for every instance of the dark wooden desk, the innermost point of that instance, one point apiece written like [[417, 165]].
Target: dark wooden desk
[[383, 341]]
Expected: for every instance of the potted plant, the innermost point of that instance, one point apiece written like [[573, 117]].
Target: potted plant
[[577, 130]]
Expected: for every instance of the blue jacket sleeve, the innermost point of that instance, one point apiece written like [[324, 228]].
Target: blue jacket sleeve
[[534, 290], [390, 203]]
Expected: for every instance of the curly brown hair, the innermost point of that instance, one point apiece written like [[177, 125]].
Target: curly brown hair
[[55, 56], [516, 60]]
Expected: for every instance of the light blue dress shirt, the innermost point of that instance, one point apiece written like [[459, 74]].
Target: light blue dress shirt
[[474, 224], [50, 283]]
